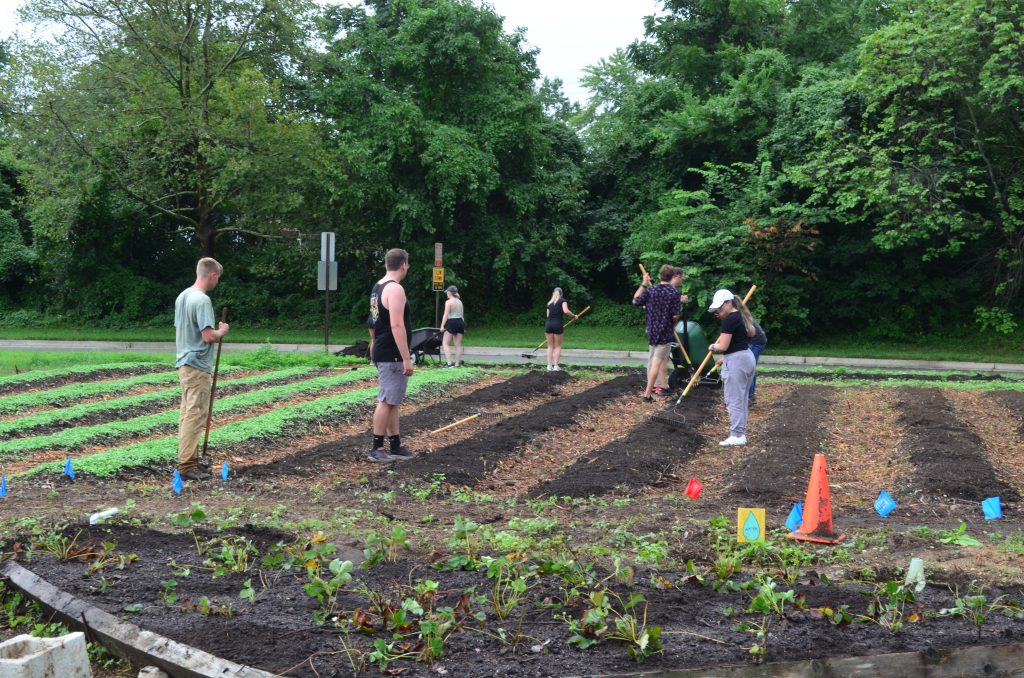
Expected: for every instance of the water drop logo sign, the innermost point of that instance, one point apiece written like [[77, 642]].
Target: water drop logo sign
[[749, 524]]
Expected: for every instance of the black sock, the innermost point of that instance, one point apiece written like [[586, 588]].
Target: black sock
[[396, 441], [378, 442]]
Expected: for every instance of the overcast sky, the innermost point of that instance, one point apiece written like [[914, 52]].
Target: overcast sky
[[571, 34]]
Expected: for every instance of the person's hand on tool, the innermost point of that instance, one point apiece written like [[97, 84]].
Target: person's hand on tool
[[407, 364], [684, 298], [223, 328], [647, 279]]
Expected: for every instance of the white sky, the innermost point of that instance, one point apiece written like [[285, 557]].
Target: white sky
[[571, 34]]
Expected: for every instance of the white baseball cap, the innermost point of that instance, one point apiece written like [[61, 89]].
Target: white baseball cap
[[721, 296]]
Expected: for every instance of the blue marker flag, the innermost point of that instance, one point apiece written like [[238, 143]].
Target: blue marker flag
[[176, 482], [884, 504], [68, 471], [224, 471], [796, 517], [992, 509], [3, 484]]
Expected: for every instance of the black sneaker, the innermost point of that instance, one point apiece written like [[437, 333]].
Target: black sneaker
[[380, 456], [402, 452], [196, 474], [647, 399], [449, 365]]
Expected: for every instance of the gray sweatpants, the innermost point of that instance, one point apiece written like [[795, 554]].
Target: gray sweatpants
[[737, 373]]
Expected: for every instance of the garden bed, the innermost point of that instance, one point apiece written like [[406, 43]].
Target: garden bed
[[575, 489]]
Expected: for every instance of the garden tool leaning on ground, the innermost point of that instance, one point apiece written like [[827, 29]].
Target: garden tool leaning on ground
[[696, 375], [213, 387], [541, 344]]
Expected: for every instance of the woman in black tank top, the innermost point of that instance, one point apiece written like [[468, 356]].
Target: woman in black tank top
[[557, 309]]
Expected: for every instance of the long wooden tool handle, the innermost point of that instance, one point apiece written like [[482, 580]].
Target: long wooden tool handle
[[213, 387], [681, 348], [696, 375], [455, 423], [578, 316]]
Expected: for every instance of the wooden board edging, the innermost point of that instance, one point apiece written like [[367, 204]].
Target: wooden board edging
[[123, 639], [991, 661]]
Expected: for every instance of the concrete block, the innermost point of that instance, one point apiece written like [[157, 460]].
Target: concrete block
[[152, 672], [27, 657]]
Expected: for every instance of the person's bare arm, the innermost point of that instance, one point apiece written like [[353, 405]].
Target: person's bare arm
[[393, 299], [211, 336], [721, 344]]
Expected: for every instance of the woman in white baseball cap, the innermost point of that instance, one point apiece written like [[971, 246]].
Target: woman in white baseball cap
[[738, 364]]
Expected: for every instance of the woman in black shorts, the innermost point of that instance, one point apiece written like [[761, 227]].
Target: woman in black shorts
[[557, 309], [454, 323]]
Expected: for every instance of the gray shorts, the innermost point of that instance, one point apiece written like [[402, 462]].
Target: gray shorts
[[393, 383]]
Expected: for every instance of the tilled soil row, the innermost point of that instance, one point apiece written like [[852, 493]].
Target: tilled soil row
[[874, 376], [79, 378], [778, 462], [470, 460], [119, 413], [350, 448], [644, 456], [949, 459]]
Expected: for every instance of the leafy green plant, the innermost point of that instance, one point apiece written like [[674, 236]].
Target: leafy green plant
[[465, 541], [958, 537], [169, 591], [601, 620], [229, 555], [759, 648], [976, 607], [384, 546], [325, 589], [768, 600], [892, 604], [511, 578]]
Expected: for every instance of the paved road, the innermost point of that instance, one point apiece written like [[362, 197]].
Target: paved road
[[515, 355]]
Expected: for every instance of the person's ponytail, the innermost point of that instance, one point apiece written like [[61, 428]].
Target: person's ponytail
[[748, 320]]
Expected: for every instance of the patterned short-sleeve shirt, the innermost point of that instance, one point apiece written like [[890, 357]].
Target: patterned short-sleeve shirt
[[662, 303]]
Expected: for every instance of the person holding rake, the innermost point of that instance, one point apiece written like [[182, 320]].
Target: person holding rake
[[738, 363], [554, 327]]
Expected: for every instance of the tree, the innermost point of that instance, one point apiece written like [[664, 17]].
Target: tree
[[177, 104], [430, 110]]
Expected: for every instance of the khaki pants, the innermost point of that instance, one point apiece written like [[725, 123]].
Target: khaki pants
[[195, 407]]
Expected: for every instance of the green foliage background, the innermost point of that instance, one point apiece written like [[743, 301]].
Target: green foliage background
[[850, 158]]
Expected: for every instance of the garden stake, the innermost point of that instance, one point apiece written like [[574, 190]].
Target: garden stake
[[541, 345], [696, 375], [213, 387]]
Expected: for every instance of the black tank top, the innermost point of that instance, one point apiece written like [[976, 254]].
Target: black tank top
[[555, 312], [385, 350]]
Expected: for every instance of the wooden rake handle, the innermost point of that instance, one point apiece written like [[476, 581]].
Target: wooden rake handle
[[578, 316], [455, 423], [696, 375], [213, 387]]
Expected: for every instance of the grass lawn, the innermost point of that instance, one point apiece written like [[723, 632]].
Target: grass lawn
[[980, 348]]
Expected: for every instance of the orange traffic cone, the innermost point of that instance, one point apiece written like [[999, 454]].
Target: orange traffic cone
[[817, 525]]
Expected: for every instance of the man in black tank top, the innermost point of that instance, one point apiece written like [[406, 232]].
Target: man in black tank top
[[390, 351]]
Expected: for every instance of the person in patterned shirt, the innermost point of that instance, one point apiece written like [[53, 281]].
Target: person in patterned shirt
[[662, 303]]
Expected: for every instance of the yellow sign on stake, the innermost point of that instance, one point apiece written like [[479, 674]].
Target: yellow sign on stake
[[750, 524], [438, 279]]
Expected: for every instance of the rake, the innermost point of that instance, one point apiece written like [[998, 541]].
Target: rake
[[696, 375], [541, 344], [485, 415]]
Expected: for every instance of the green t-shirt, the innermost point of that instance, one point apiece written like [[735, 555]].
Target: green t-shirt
[[193, 312]]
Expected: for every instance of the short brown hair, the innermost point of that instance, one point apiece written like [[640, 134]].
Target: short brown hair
[[207, 266], [394, 259], [668, 271]]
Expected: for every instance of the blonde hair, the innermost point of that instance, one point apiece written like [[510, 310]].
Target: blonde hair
[[207, 266], [748, 320], [556, 294]]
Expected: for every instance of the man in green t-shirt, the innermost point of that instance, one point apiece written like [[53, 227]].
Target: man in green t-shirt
[[194, 338]]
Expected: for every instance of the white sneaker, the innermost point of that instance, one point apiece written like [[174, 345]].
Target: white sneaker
[[734, 440], [556, 368], [550, 368]]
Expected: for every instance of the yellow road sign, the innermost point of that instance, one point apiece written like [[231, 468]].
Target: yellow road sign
[[438, 278]]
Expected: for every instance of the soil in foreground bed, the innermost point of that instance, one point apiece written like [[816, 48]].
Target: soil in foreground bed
[[276, 631]]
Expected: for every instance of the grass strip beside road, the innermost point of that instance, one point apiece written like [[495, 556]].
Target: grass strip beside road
[[170, 395], [16, 449], [897, 382], [274, 423]]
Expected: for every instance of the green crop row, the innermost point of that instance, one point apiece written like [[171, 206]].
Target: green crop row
[[15, 449], [71, 392], [273, 423], [170, 395], [40, 375]]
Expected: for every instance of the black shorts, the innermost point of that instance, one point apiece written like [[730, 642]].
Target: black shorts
[[455, 326], [554, 328]]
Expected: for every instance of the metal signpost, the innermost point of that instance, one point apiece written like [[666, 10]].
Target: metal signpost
[[438, 281], [327, 278]]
